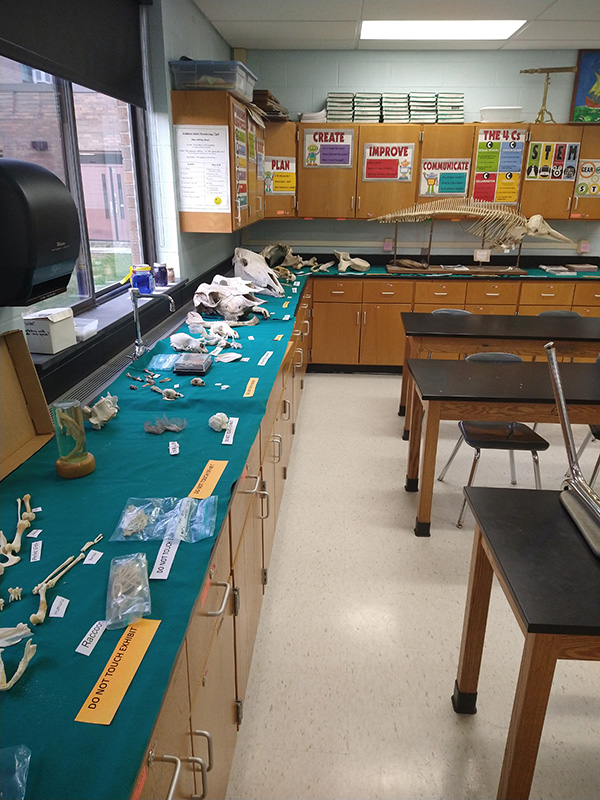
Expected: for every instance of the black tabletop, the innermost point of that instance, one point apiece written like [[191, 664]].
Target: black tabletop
[[502, 326], [509, 382], [549, 569]]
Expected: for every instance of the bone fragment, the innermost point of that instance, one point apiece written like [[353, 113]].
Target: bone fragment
[[52, 583], [11, 559], [15, 545], [87, 545], [54, 571], [1, 603], [14, 594], [40, 615], [28, 514], [23, 663], [18, 509]]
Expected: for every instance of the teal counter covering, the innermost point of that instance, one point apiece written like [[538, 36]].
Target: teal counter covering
[[78, 761]]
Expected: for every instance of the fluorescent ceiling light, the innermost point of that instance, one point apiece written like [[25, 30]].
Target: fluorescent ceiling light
[[440, 29]]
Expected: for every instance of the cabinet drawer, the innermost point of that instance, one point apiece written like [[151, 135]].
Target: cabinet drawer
[[348, 291], [586, 294], [246, 489], [588, 311], [491, 309], [547, 294], [490, 293], [399, 291], [441, 292]]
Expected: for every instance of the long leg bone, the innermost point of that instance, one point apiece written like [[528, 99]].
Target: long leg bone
[[40, 615], [15, 545], [52, 583], [18, 509], [28, 513], [27, 656], [54, 571]]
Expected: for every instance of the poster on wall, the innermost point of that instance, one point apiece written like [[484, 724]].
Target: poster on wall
[[280, 175], [588, 178], [328, 148], [384, 161], [260, 159], [554, 161], [203, 168], [585, 106], [241, 155], [498, 164], [444, 176]]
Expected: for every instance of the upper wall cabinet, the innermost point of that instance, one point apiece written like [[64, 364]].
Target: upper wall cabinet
[[256, 171], [211, 140], [388, 168], [445, 162], [498, 162], [586, 199], [550, 170], [280, 170], [327, 157]]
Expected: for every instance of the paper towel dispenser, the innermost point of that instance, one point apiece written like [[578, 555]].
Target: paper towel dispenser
[[39, 233]]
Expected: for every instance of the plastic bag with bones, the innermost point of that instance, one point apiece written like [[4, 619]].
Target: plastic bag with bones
[[253, 267], [231, 298]]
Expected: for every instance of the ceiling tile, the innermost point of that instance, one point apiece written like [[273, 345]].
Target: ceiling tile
[[565, 32], [567, 9], [282, 35], [280, 10], [459, 9]]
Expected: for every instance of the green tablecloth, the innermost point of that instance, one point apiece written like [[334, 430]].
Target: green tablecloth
[[84, 761]]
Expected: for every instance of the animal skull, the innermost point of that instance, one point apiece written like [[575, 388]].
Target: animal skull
[[253, 267]]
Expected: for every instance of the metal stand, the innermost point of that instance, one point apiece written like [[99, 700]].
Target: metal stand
[[541, 117]]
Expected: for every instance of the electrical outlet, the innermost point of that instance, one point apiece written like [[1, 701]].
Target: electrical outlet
[[583, 246], [388, 245]]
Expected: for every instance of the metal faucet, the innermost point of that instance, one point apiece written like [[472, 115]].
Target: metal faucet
[[139, 347]]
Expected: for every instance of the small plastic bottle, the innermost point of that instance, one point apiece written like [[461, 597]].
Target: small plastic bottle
[[142, 278], [160, 273]]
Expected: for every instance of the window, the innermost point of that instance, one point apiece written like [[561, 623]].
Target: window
[[87, 140]]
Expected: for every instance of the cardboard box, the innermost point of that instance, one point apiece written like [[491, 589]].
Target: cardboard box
[[50, 331], [25, 422]]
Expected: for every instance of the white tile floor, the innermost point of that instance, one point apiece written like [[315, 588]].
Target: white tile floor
[[357, 647]]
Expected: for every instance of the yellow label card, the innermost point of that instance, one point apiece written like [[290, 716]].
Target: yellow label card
[[208, 480], [250, 387], [106, 696], [286, 304], [278, 338]]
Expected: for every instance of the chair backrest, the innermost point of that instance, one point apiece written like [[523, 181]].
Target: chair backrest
[[493, 357], [559, 312], [450, 311]]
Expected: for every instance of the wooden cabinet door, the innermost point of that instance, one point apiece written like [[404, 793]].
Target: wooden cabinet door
[[336, 333], [171, 737], [548, 150], [382, 337], [248, 587], [453, 142], [388, 163], [246, 491], [268, 498], [588, 206], [214, 711], [280, 170], [327, 190]]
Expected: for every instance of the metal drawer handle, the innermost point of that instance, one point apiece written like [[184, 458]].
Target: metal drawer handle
[[256, 485], [301, 364], [221, 611], [287, 409], [388, 292], [307, 323], [276, 439], [364, 317], [547, 294], [440, 294], [339, 291], [203, 770], [492, 294], [175, 779], [211, 750], [265, 495]]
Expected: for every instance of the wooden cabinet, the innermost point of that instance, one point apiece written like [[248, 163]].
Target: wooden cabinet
[[430, 295], [541, 296], [336, 332], [280, 170], [327, 156], [214, 718], [587, 206], [586, 299], [302, 348], [550, 170], [212, 141], [497, 168], [448, 143], [170, 740], [388, 169]]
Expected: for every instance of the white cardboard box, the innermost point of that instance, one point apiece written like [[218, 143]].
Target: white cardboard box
[[50, 331]]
